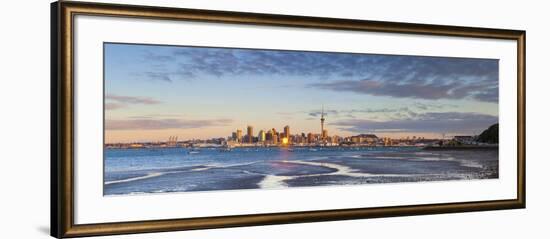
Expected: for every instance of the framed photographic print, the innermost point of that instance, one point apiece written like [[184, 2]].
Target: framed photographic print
[[170, 119]]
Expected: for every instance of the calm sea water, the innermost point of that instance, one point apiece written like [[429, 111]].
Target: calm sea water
[[136, 171]]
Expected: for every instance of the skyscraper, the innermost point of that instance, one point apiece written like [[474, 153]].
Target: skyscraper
[[249, 134], [239, 136], [310, 138], [287, 132], [275, 136], [269, 136], [261, 136]]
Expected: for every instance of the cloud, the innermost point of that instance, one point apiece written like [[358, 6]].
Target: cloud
[[327, 112], [404, 111], [114, 106], [430, 90], [381, 75], [351, 113], [167, 76], [430, 106], [227, 61], [420, 77], [158, 76], [150, 56], [426, 122], [150, 116], [155, 124], [132, 99], [380, 110], [114, 102]]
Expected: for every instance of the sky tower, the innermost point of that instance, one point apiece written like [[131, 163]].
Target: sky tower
[[322, 121]]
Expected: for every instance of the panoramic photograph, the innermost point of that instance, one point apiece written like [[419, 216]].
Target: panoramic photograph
[[197, 118]]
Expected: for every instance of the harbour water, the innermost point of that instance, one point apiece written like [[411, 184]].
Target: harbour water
[[162, 170]]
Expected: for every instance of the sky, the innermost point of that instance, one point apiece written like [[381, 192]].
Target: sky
[[153, 92]]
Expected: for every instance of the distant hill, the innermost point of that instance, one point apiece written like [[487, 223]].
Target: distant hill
[[489, 135]]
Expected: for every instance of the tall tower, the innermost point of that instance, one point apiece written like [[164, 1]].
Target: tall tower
[[322, 121]]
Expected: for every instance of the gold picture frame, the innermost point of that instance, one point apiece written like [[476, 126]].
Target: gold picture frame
[[62, 128]]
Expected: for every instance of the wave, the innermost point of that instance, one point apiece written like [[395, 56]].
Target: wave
[[340, 169], [150, 175], [276, 181], [470, 164], [202, 168], [197, 168], [462, 162], [211, 166]]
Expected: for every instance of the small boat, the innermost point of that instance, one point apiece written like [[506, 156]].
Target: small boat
[[193, 151]]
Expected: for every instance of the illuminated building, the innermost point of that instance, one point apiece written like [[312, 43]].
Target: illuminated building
[[287, 132], [269, 136], [239, 136], [336, 139], [249, 132], [275, 136], [310, 138], [297, 139], [261, 136], [387, 141], [284, 140], [325, 134]]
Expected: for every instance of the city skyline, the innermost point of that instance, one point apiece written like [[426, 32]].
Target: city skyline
[[202, 93]]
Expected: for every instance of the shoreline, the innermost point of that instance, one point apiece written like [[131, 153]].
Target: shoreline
[[428, 148], [463, 147], [276, 146]]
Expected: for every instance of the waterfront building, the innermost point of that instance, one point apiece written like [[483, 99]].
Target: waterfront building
[[275, 139], [335, 139], [287, 132], [364, 139], [249, 134], [261, 136], [299, 139], [269, 136], [324, 136], [239, 136], [310, 138], [275, 136]]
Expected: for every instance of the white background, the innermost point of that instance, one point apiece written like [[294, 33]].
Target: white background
[[24, 134]]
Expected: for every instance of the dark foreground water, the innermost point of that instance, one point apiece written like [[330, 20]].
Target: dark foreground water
[[133, 171]]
